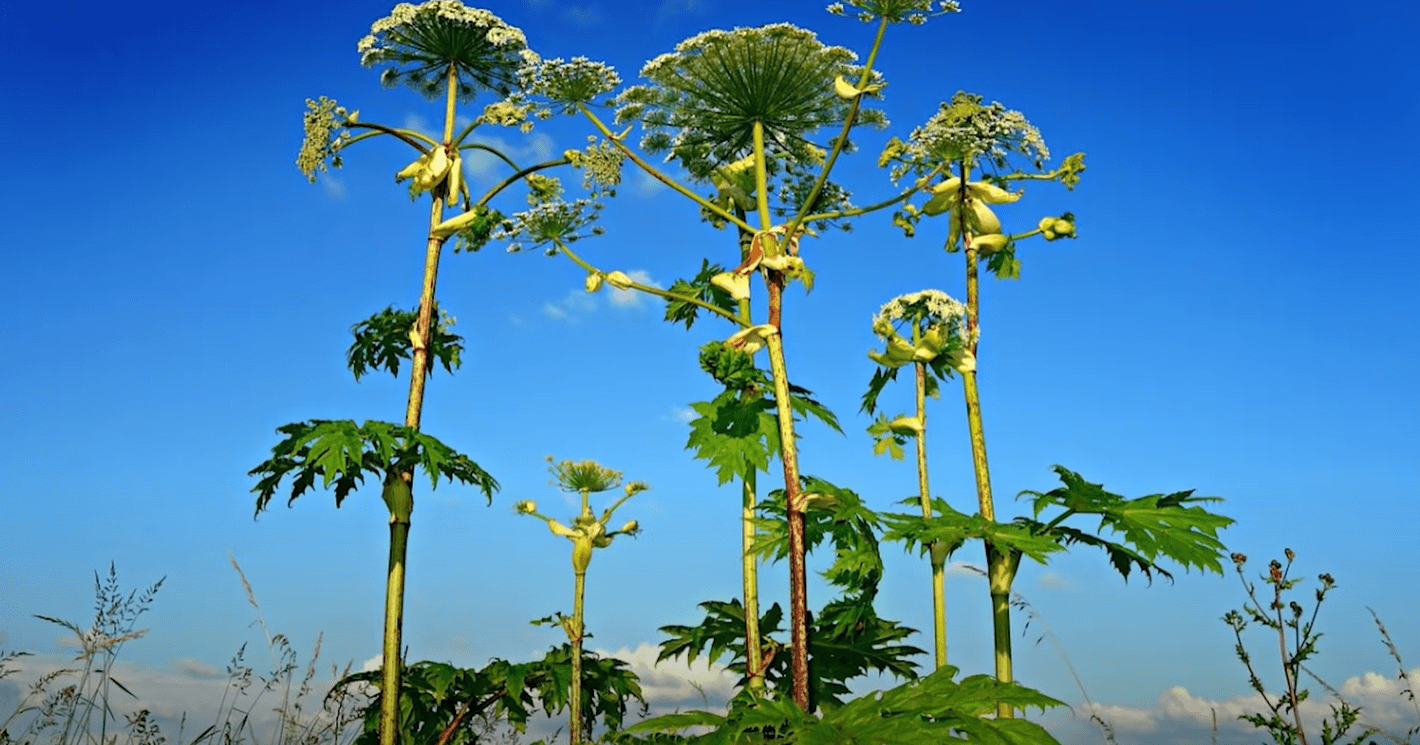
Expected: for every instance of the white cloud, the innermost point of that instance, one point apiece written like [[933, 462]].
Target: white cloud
[[646, 185], [334, 188], [571, 307], [577, 303], [671, 8], [1181, 716], [672, 684], [197, 669], [481, 164], [1054, 581], [632, 298]]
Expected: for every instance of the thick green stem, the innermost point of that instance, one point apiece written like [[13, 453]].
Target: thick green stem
[[574, 698], [793, 498], [392, 664], [754, 645], [997, 565], [938, 558], [788, 450], [754, 665]]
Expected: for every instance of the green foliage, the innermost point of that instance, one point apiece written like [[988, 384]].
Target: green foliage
[[737, 432], [340, 453], [934, 708], [698, 287], [479, 230], [383, 339], [953, 529], [885, 438], [439, 703], [1153, 526], [1003, 262]]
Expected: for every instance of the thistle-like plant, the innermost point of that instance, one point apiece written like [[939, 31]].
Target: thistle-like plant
[[1289, 619], [936, 343], [587, 532], [444, 50]]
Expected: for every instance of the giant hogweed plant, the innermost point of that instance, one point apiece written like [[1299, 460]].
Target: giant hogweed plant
[[737, 110], [449, 52], [967, 144], [588, 532]]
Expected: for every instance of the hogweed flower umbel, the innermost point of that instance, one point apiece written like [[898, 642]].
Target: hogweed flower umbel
[[937, 326], [325, 134], [705, 98], [417, 44]]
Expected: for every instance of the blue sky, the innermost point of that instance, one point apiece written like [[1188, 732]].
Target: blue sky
[[1237, 317]]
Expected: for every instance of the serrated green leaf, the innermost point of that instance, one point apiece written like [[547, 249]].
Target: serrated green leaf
[[382, 341], [1153, 526], [341, 454], [699, 287]]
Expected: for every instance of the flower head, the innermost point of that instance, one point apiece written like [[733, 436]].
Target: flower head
[[549, 222], [325, 124], [915, 12], [584, 476], [418, 45], [705, 98], [933, 324], [966, 129], [567, 84]]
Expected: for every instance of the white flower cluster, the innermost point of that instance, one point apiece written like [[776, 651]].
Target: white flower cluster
[[915, 12], [936, 303], [569, 83], [511, 112], [966, 129], [499, 33], [938, 332], [325, 134], [548, 222], [600, 163], [702, 97]]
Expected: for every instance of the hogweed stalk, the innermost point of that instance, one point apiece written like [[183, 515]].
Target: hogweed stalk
[[587, 533], [939, 345]]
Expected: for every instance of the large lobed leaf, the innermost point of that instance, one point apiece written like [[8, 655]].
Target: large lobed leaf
[[1153, 526], [339, 454]]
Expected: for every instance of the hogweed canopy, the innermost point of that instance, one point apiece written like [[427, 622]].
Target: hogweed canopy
[[704, 98], [968, 130], [417, 44], [915, 12]]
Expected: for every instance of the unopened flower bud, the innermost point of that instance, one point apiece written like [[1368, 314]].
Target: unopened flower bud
[[525, 507], [594, 282], [619, 280], [631, 526]]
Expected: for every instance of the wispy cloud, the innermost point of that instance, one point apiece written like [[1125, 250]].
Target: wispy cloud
[[1054, 581], [333, 187], [481, 165], [1182, 716], [672, 684], [632, 298], [646, 185], [577, 303]]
